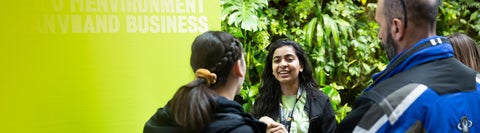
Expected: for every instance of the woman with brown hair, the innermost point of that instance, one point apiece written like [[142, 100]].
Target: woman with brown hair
[[466, 50], [206, 104]]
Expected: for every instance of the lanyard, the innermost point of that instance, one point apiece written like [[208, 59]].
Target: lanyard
[[288, 121]]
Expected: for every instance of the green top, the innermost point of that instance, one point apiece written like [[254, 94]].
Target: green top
[[300, 121]]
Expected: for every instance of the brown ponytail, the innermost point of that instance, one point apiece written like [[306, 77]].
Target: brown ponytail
[[194, 103], [212, 58]]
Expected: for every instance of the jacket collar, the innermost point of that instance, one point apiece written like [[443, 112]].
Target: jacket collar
[[228, 106], [426, 50]]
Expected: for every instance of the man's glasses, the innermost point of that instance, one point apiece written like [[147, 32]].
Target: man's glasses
[[404, 12]]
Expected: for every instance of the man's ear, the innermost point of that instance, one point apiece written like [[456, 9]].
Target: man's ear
[[237, 68], [397, 29]]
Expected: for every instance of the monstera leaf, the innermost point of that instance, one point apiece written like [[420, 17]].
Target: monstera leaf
[[243, 13]]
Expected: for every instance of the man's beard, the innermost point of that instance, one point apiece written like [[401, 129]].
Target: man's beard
[[390, 46]]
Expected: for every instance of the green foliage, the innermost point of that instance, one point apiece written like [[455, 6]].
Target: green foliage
[[339, 36], [243, 13], [460, 16]]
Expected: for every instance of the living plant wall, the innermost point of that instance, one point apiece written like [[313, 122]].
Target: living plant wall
[[340, 37]]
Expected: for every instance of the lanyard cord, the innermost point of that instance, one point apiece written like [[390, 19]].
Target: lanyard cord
[[288, 121]]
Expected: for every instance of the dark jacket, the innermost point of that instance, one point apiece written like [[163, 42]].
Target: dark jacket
[[229, 118], [418, 91], [320, 112]]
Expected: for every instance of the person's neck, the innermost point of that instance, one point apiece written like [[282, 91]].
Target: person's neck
[[413, 38], [229, 90], [289, 89], [421, 31]]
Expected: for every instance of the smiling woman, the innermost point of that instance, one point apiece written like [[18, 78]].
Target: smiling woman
[[290, 94], [286, 68]]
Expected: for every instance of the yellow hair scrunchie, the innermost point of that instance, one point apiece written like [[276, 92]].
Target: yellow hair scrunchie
[[211, 78]]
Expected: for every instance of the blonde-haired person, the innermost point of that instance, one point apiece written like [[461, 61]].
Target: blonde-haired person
[[206, 104], [466, 50]]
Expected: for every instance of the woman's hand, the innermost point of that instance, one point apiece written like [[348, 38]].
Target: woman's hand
[[272, 126], [276, 128]]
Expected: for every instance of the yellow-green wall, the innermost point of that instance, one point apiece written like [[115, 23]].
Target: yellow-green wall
[[79, 66]]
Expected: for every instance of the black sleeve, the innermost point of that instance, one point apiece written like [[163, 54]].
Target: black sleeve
[[321, 113], [243, 129], [328, 119], [350, 121], [161, 121], [236, 123]]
